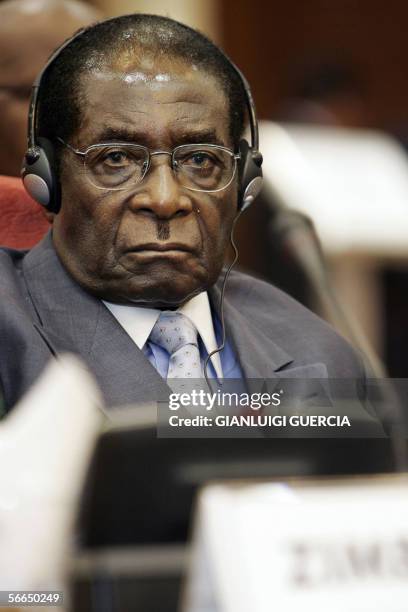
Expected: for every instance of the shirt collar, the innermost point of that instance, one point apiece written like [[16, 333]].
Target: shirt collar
[[138, 322]]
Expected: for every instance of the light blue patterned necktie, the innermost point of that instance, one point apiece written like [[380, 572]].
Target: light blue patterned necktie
[[175, 333]]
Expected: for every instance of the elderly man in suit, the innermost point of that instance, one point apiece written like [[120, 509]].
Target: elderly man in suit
[[143, 119]]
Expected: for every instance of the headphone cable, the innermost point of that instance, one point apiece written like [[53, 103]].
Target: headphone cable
[[224, 283]]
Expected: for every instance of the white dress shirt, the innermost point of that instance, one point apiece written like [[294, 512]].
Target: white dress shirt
[[138, 323]]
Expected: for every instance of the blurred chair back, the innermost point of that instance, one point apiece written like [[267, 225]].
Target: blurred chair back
[[22, 221]]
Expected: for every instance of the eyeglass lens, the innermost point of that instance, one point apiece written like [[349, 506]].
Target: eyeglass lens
[[202, 168]]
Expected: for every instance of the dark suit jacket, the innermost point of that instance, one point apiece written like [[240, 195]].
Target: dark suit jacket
[[43, 312]]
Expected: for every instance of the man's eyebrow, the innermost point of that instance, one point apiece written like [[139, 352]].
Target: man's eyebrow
[[197, 137], [119, 135], [186, 137]]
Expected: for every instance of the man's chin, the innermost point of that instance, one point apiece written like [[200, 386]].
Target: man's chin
[[162, 297], [161, 290]]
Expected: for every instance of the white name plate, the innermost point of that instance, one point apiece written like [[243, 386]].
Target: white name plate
[[338, 545]]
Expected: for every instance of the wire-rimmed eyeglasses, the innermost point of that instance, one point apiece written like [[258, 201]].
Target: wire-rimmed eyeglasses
[[119, 165]]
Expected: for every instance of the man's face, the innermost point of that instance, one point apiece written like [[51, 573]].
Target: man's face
[[156, 243]]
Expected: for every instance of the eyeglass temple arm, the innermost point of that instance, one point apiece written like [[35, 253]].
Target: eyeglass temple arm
[[71, 148], [33, 110]]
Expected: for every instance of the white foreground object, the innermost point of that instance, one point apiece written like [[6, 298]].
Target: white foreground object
[[313, 546], [46, 444], [352, 183]]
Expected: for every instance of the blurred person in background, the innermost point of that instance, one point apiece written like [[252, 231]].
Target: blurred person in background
[[326, 92], [29, 31]]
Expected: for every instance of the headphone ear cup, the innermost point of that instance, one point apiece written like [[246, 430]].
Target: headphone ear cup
[[39, 175], [250, 173]]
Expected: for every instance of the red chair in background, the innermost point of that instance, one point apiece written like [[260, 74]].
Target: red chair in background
[[22, 221]]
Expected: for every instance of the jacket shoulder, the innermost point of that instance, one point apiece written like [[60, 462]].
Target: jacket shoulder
[[11, 263], [298, 330]]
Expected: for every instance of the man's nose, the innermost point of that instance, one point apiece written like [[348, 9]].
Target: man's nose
[[160, 192]]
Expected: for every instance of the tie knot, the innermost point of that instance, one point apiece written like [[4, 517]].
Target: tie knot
[[172, 331]]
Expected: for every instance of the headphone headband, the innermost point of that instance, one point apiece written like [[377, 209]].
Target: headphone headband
[[33, 109]]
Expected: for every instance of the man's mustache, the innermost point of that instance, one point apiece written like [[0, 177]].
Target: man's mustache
[[163, 230]]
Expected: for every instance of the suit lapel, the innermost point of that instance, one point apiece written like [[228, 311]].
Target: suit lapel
[[263, 361], [259, 356], [71, 320]]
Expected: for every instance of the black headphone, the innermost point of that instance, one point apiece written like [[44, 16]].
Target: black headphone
[[39, 167]]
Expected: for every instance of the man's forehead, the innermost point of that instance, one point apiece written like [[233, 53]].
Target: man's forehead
[[159, 81], [181, 100], [138, 66]]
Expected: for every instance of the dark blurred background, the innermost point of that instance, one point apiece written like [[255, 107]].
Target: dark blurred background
[[272, 40]]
